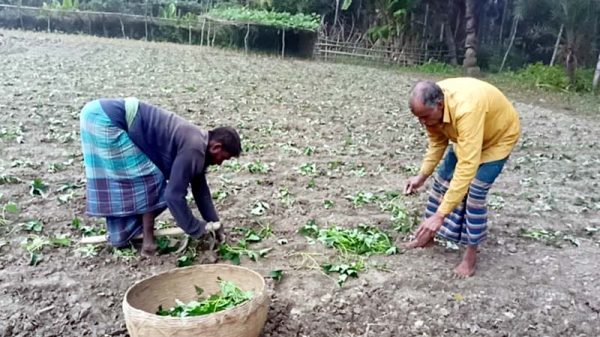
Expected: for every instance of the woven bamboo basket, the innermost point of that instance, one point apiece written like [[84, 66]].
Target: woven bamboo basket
[[143, 298]]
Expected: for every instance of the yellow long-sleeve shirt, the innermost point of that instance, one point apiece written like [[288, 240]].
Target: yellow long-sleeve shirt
[[483, 125]]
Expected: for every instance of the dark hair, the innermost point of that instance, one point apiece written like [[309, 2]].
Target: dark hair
[[428, 92], [228, 137]]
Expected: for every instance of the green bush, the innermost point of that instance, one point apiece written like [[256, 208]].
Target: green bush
[[555, 78], [274, 19]]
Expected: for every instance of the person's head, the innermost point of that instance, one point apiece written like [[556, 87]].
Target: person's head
[[427, 103], [223, 143]]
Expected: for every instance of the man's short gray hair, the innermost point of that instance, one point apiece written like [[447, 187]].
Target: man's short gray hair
[[428, 92]]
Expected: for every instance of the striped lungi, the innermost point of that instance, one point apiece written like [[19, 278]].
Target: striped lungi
[[122, 182], [467, 223]]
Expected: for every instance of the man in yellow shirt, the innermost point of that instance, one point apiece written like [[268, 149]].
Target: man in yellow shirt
[[483, 126]]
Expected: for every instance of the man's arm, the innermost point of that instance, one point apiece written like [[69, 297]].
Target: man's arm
[[470, 127], [203, 198], [184, 168]]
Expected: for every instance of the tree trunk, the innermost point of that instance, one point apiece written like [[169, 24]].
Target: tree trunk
[[208, 33], [596, 75], [446, 34], [502, 22], [571, 64], [202, 31], [451, 44], [337, 8], [424, 34], [457, 23], [470, 61], [512, 40], [556, 45]]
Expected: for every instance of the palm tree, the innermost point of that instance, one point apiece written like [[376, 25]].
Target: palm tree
[[470, 61], [574, 17]]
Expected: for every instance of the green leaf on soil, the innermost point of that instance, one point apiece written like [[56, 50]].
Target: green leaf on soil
[[307, 169], [88, 251], [125, 253], [11, 208], [187, 259], [61, 240], [165, 245], [276, 275], [257, 166], [33, 226], [344, 270], [35, 259], [76, 223], [35, 243], [38, 188], [360, 240], [8, 179]]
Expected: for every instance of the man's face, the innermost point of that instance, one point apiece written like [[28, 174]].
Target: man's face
[[427, 115], [217, 154]]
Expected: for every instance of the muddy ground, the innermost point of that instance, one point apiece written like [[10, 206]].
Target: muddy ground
[[353, 124]]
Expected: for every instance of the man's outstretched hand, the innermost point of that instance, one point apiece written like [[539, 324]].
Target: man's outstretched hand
[[414, 183]]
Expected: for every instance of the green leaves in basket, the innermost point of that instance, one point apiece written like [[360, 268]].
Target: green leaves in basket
[[228, 297]]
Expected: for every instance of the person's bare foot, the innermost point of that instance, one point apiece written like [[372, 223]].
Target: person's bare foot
[[466, 268], [148, 249], [148, 244]]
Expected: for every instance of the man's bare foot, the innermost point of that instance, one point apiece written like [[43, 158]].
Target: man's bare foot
[[148, 244], [148, 249], [466, 268], [417, 244]]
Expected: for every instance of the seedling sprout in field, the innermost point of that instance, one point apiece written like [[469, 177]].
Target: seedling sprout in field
[[257, 166], [38, 188], [8, 208], [307, 169]]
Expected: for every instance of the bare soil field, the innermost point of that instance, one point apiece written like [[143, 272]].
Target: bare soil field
[[323, 142]]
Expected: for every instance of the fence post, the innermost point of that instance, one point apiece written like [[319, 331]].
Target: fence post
[[283, 43], [146, 20], [214, 36], [189, 33], [202, 31], [208, 33], [89, 24], [21, 14], [246, 38], [122, 26]]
